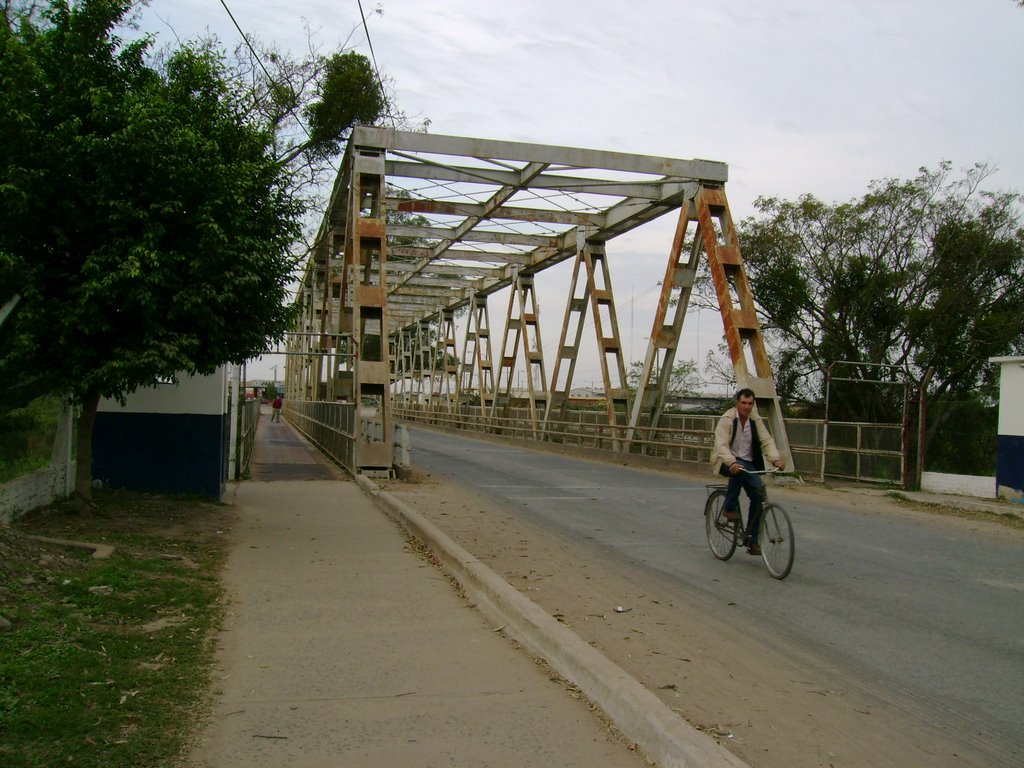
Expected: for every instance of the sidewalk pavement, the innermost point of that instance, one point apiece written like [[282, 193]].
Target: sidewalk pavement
[[966, 503], [345, 646]]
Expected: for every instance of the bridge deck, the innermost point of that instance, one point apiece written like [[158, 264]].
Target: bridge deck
[[281, 453]]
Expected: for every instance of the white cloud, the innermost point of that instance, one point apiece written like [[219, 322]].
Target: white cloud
[[795, 95]]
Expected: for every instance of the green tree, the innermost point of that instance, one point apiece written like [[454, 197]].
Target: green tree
[[918, 274], [146, 218], [685, 379], [718, 370], [966, 444], [311, 104]]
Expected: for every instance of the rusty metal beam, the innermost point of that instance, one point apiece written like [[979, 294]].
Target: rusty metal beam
[[503, 212], [476, 356], [420, 226], [410, 141], [590, 295]]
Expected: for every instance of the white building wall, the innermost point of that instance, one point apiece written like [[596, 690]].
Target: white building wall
[[1011, 395], [192, 394], [1010, 460]]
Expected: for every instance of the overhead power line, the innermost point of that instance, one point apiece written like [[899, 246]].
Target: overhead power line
[[259, 60], [245, 39], [373, 60], [369, 42]]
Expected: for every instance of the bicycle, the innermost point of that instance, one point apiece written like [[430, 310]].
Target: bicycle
[[778, 545]]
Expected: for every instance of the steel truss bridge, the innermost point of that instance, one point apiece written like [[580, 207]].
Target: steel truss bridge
[[420, 227]]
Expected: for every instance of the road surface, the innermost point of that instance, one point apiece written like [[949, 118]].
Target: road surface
[[922, 611]]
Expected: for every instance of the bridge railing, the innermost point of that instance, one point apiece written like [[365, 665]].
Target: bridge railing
[[585, 429], [846, 450], [249, 420], [331, 427], [865, 452]]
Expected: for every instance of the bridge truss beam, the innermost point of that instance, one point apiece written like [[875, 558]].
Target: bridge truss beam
[[422, 227]]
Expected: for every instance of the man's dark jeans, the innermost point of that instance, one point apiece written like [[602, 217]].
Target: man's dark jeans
[[754, 487]]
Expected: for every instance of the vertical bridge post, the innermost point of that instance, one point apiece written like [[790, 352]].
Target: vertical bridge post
[[365, 297], [522, 326], [476, 355], [590, 290], [739, 314]]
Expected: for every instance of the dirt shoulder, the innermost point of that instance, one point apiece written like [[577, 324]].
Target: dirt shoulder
[[773, 708]]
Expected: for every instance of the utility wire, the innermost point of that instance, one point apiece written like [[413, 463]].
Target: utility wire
[[369, 42], [259, 60], [373, 60], [245, 39]]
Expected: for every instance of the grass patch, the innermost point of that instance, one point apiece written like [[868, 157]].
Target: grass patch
[[27, 435], [107, 661]]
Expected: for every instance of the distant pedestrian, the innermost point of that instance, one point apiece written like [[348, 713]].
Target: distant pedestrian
[[276, 405]]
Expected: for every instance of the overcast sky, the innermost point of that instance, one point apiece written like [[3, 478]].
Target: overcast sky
[[796, 96]]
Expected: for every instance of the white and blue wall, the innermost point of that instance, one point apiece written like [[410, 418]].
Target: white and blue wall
[[166, 439], [1010, 461]]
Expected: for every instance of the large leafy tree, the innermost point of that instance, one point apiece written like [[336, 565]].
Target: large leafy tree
[[146, 213], [920, 274]]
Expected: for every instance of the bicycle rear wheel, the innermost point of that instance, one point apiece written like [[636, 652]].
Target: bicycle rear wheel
[[721, 533], [778, 545]]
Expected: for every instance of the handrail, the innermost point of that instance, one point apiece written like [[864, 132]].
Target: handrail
[[685, 438], [692, 444], [250, 420]]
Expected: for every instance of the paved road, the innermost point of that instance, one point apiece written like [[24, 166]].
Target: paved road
[[911, 604]]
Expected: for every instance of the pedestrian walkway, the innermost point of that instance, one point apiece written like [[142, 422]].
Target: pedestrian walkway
[[343, 646], [282, 454]]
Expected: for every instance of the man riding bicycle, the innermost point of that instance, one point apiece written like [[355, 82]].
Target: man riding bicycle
[[742, 443]]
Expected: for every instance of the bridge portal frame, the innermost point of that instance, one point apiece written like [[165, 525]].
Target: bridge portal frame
[[422, 227]]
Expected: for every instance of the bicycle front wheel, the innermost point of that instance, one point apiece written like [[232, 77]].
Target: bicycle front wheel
[[778, 546], [721, 533]]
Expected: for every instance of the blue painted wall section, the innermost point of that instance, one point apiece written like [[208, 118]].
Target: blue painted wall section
[[161, 452], [1010, 464]]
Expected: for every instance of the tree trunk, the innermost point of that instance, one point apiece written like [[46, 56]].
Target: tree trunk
[[83, 467]]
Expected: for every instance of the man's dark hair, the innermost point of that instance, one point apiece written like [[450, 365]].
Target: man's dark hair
[[745, 392]]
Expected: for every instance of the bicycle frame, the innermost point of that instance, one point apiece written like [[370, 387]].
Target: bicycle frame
[[775, 530]]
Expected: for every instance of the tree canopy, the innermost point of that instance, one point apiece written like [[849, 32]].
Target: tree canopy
[[684, 379], [146, 215], [917, 274]]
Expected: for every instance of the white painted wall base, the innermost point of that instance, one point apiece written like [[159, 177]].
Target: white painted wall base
[[36, 489], [1011, 494], [962, 485]]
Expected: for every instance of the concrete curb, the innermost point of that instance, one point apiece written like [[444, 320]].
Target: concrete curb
[[643, 718], [99, 551], [951, 501]]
